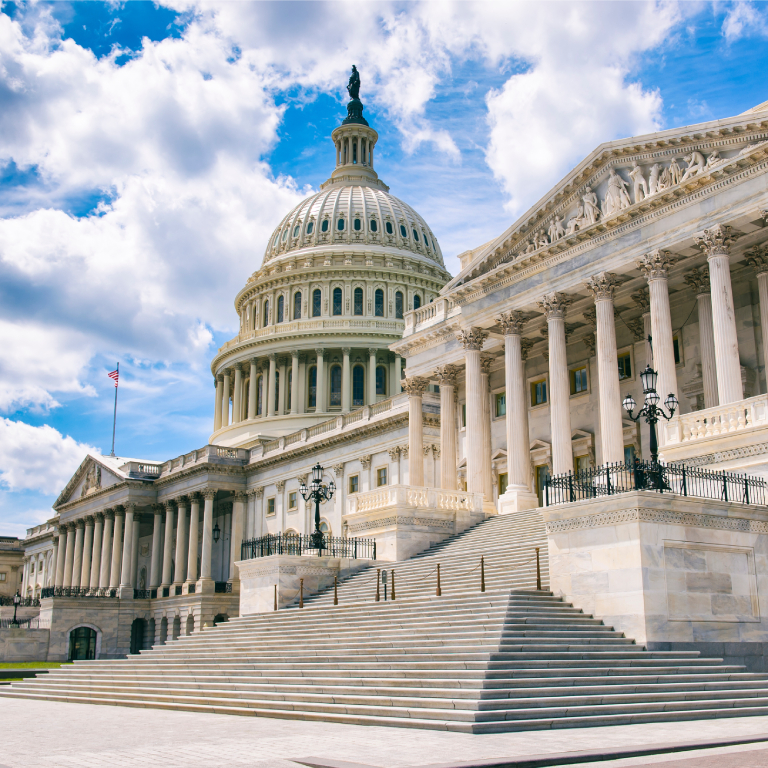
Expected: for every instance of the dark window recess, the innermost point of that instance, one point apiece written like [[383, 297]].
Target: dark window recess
[[388, 227], [337, 301], [416, 301], [374, 225], [324, 226], [379, 303], [317, 302], [336, 385], [358, 385], [358, 301], [399, 305], [297, 306]]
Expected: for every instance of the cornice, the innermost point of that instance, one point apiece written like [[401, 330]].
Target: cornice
[[104, 492], [199, 469]]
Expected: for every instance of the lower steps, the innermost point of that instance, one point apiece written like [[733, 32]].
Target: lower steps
[[508, 659]]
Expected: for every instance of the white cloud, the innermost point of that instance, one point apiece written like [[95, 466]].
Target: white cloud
[[37, 458], [744, 19]]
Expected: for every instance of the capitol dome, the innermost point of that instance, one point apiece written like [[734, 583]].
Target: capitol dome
[[317, 318]]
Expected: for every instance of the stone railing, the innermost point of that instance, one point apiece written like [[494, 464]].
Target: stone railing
[[215, 453], [718, 421], [430, 314], [415, 497]]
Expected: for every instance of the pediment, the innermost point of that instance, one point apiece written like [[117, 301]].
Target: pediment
[[91, 476]]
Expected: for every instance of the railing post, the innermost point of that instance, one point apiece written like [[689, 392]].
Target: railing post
[[374, 549], [354, 546], [482, 573], [538, 570], [746, 489], [393, 585], [685, 482], [275, 596], [378, 584], [546, 491], [439, 592], [725, 486], [608, 477], [301, 593], [572, 498], [335, 591]]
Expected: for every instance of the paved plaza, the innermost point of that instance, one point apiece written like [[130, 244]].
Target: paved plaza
[[48, 734]]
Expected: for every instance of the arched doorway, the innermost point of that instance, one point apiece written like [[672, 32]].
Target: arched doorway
[[220, 618], [138, 630], [82, 644], [190, 624], [176, 627]]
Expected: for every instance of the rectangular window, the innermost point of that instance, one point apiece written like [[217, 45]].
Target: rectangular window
[[625, 367], [502, 483], [354, 484], [629, 454], [538, 392], [463, 415], [270, 506], [3, 576], [500, 404], [579, 380], [293, 500], [582, 463], [678, 350], [381, 476], [542, 473]]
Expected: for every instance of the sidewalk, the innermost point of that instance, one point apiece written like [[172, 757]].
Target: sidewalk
[[46, 734]]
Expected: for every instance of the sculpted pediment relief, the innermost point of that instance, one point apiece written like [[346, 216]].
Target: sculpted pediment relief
[[90, 477]]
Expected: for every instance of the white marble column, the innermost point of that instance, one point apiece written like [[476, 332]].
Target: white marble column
[[237, 399], [125, 575], [554, 306], [446, 375], [715, 242], [264, 391], [271, 384], [135, 549], [295, 382], [252, 389], [98, 533], [181, 541], [85, 572], [194, 527], [655, 266], [601, 286], [415, 386], [758, 258], [346, 382], [59, 544], [699, 282], [371, 376], [170, 509], [485, 373], [236, 538], [281, 388], [472, 340], [209, 495], [106, 548], [225, 399], [117, 548], [156, 562], [77, 559], [320, 397], [218, 397], [301, 405]]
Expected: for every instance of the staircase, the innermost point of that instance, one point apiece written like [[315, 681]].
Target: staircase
[[511, 658]]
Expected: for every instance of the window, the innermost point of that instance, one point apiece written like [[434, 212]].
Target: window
[[358, 301], [297, 305], [416, 301], [3, 576], [403, 230], [324, 226], [317, 302], [277, 390], [579, 380], [500, 404], [266, 313], [337, 301], [288, 387], [503, 482], [542, 473], [270, 507], [340, 225], [381, 476], [335, 385], [678, 350], [293, 500], [312, 388], [354, 484], [82, 644], [378, 303], [374, 225], [381, 380], [358, 225], [310, 227], [325, 529], [285, 235], [259, 394], [280, 308], [388, 227], [538, 392], [296, 230], [399, 305], [582, 463], [625, 366], [426, 241], [463, 415], [629, 454], [358, 385], [415, 235]]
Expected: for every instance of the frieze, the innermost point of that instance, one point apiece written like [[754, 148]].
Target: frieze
[[729, 455], [428, 522]]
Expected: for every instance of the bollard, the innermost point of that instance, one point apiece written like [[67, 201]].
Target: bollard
[[393, 585], [275, 596], [335, 592], [482, 573], [378, 583], [538, 570], [301, 593], [438, 592]]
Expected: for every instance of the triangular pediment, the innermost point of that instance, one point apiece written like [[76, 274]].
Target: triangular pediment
[[93, 475]]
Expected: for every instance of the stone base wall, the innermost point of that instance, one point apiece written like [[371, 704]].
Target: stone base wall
[[23, 645]]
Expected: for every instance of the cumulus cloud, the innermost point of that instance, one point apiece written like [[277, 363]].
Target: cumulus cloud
[[744, 19]]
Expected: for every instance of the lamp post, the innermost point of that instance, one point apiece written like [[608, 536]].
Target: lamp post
[[652, 413], [16, 601], [318, 493]]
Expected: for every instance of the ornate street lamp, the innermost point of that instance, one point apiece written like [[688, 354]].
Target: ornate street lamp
[[216, 533], [16, 601], [318, 493]]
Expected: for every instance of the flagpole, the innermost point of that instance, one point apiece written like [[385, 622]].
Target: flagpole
[[114, 418]]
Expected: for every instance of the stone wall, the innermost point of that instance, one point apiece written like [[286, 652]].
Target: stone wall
[[24, 645]]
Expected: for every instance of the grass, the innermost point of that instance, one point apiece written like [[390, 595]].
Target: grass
[[32, 664]]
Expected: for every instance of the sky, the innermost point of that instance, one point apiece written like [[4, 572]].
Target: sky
[[147, 151]]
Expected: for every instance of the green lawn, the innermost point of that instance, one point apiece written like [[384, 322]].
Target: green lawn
[[32, 664]]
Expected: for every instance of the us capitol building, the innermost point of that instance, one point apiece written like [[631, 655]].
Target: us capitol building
[[436, 402]]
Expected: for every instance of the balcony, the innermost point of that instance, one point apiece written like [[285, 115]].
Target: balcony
[[429, 315]]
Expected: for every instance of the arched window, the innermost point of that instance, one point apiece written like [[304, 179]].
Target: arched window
[[266, 313], [82, 644], [340, 225], [297, 305], [415, 235], [138, 628], [426, 241], [325, 528], [296, 230], [358, 301], [388, 227], [324, 226], [338, 298], [378, 303], [288, 387], [381, 380], [312, 388], [374, 225], [416, 301], [259, 393], [403, 231], [317, 302], [285, 235], [358, 385], [280, 308], [358, 225], [335, 385], [399, 305], [310, 227], [277, 390]]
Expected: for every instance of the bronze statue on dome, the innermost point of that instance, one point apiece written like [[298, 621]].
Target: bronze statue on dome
[[354, 84]]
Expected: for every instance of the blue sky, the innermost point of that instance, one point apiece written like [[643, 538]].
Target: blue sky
[[149, 149]]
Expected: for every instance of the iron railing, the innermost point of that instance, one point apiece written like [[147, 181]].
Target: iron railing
[[33, 623], [26, 602], [78, 592], [222, 587], [300, 544], [680, 479]]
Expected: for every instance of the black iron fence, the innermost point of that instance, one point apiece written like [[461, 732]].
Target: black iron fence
[[78, 592], [222, 587], [26, 602], [299, 544], [680, 479]]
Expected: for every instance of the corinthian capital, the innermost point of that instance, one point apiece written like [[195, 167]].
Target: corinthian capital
[[602, 286], [446, 375], [717, 240], [554, 305], [698, 280], [757, 258], [525, 347], [655, 265], [511, 322], [486, 361], [414, 385], [474, 338]]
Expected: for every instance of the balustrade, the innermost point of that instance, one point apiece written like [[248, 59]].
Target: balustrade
[[720, 420]]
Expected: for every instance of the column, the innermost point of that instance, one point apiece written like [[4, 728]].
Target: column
[[554, 306], [758, 258], [715, 242], [415, 387], [302, 391], [472, 341], [320, 408], [155, 569], [77, 561], [85, 572], [205, 560], [601, 286], [236, 539], [225, 400], [655, 266], [281, 389], [699, 282], [371, 376], [271, 384], [295, 382], [485, 375], [135, 550], [125, 571], [237, 399], [226, 536], [252, 389], [346, 382], [117, 548], [54, 561], [398, 375], [446, 375], [642, 299], [194, 526], [218, 397], [106, 549], [264, 391], [61, 556], [170, 508], [98, 532], [182, 543]]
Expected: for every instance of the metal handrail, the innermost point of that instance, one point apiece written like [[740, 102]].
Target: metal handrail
[[300, 544]]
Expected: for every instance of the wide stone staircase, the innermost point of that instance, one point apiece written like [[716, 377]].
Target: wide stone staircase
[[510, 658]]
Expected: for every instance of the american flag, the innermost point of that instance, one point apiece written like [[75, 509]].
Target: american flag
[[114, 375]]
